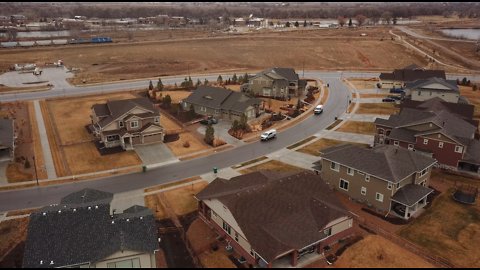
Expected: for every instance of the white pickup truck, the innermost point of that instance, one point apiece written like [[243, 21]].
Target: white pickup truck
[[267, 135]]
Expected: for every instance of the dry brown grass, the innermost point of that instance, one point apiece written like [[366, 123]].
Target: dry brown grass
[[473, 97], [85, 158], [181, 199], [195, 144], [276, 104], [358, 127], [215, 259], [273, 165], [163, 186], [315, 147], [363, 84], [377, 252], [12, 232], [377, 108], [325, 96], [448, 229], [15, 173], [168, 124], [37, 146], [176, 95], [152, 202], [200, 236], [6, 89], [373, 95]]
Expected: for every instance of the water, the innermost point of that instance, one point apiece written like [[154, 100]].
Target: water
[[473, 34], [40, 34]]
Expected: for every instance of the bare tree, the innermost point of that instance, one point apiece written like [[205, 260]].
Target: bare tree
[[341, 21], [387, 16], [360, 19]]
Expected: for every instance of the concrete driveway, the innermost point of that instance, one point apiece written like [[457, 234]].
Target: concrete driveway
[[221, 131], [3, 173], [154, 153], [54, 75]]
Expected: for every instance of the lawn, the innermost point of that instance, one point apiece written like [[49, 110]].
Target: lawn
[[473, 97], [178, 147], [16, 174], [181, 199], [377, 252], [273, 165], [12, 232], [362, 84], [215, 259], [448, 229], [152, 202], [168, 124], [315, 147], [358, 127], [176, 95], [200, 236], [377, 108], [373, 95]]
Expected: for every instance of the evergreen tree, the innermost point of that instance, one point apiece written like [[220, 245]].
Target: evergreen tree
[[305, 23], [167, 101], [245, 78], [243, 122], [205, 82], [234, 78], [209, 135], [159, 85], [150, 86], [191, 112], [220, 79], [297, 24], [190, 82], [240, 79], [287, 24], [235, 125], [350, 24], [198, 83], [464, 81]]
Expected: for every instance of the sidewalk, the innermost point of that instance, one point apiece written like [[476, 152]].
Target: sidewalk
[[363, 117], [346, 136], [47, 154], [294, 158], [369, 100]]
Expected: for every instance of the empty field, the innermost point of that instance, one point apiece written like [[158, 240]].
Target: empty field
[[457, 240], [358, 127], [273, 165], [377, 252], [473, 97], [373, 95], [363, 84], [315, 147], [377, 108]]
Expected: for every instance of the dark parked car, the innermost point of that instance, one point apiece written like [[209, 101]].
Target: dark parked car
[[397, 91], [395, 97], [388, 99], [209, 121]]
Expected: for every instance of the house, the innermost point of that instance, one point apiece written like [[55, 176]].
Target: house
[[239, 22], [385, 177], [18, 19], [82, 232], [222, 103], [446, 136], [281, 83], [399, 77], [268, 216], [421, 90], [7, 140], [126, 123]]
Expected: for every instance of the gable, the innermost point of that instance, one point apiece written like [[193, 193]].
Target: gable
[[152, 128], [220, 209], [423, 126], [438, 136]]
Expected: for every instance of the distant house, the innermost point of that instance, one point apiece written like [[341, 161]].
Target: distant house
[[222, 103], [7, 140], [399, 77], [387, 178], [277, 82], [447, 136], [421, 90], [83, 232], [266, 216], [18, 19], [126, 123], [239, 22]]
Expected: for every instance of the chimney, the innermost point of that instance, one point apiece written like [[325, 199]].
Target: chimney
[[443, 123]]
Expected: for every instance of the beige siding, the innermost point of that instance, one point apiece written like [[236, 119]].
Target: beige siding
[[341, 226], [428, 94], [145, 259]]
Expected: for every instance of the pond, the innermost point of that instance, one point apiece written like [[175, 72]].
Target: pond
[[471, 33], [40, 34]]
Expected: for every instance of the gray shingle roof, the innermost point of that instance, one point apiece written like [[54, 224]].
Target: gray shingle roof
[[277, 214], [408, 74], [77, 234], [402, 134], [387, 162], [221, 98], [421, 84], [410, 194], [115, 108], [472, 154], [6, 132]]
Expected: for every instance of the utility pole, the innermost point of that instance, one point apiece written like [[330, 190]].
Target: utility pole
[[35, 166]]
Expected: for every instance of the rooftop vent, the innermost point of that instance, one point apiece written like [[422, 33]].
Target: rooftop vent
[[74, 209], [141, 217], [51, 262], [41, 262], [44, 213], [89, 208], [59, 211], [113, 221], [208, 97], [128, 219], [96, 206]]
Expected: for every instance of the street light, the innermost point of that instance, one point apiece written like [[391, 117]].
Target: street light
[[35, 166]]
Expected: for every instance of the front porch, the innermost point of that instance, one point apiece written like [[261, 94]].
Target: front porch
[[410, 200]]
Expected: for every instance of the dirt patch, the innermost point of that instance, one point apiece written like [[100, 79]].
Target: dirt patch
[[163, 186], [175, 95], [377, 108], [181, 199], [456, 240], [373, 95], [15, 173], [276, 105], [273, 165], [377, 252], [216, 259], [201, 236], [358, 127], [315, 147], [12, 232]]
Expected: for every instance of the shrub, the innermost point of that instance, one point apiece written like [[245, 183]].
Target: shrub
[[27, 164], [186, 144]]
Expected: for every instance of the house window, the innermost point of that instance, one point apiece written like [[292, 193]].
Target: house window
[[203, 109], [419, 92], [157, 119], [379, 197], [410, 146], [425, 141], [131, 263], [349, 171], [344, 184], [458, 149], [361, 173], [120, 124], [334, 166], [423, 172], [440, 144], [236, 236], [227, 228], [395, 143], [328, 231], [367, 178], [134, 124], [398, 185], [111, 138], [363, 191], [389, 185]]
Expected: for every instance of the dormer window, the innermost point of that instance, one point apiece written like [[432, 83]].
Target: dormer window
[[157, 119], [134, 124], [120, 124]]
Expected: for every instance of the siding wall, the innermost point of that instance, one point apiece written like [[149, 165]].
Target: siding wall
[[145, 259]]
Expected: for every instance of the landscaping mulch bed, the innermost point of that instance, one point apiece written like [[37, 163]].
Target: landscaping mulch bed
[[171, 138], [107, 151]]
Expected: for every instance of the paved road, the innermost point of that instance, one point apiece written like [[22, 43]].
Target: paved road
[[35, 197]]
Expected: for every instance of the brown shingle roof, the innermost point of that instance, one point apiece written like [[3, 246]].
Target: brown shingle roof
[[387, 162], [411, 74], [116, 108], [6, 132], [277, 214], [411, 194], [437, 104]]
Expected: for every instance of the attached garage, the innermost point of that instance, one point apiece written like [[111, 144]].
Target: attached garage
[[136, 139], [151, 138]]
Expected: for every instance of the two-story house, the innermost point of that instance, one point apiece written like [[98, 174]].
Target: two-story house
[[421, 90], [385, 177], [126, 123], [222, 103], [266, 216], [399, 77], [445, 136], [278, 83], [84, 232]]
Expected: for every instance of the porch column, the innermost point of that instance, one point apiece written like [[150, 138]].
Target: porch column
[[406, 212], [294, 260], [131, 142]]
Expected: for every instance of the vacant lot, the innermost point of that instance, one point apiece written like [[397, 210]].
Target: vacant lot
[[176, 95], [377, 108], [330, 49], [377, 252], [473, 97], [373, 95], [358, 127], [458, 240], [181, 199], [273, 165], [315, 147], [363, 84]]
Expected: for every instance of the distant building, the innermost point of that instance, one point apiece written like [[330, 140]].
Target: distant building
[[84, 232], [399, 77]]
